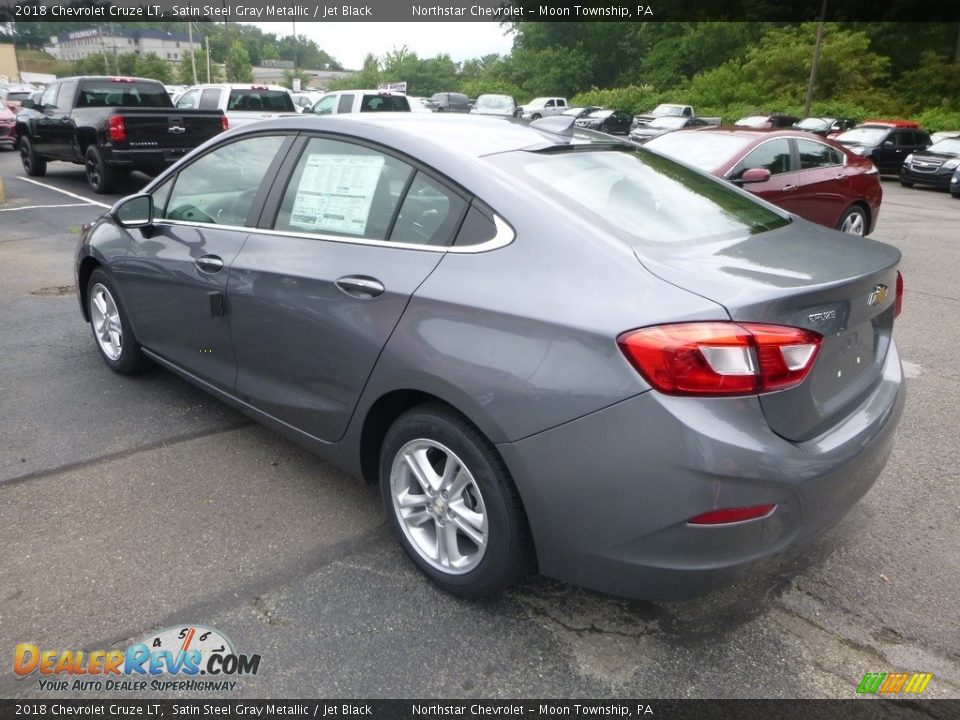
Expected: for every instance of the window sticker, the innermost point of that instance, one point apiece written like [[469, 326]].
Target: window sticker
[[335, 193]]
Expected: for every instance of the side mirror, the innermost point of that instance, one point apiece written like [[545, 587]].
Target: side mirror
[[754, 175], [135, 211]]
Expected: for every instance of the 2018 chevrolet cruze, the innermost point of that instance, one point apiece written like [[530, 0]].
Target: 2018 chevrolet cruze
[[551, 348]]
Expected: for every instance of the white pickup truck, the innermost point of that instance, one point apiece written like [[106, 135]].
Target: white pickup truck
[[241, 103], [669, 110], [542, 107]]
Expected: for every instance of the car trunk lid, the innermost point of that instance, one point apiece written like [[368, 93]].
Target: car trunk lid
[[804, 276]]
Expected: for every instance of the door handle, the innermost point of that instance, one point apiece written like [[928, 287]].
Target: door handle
[[788, 188], [209, 264], [360, 286]]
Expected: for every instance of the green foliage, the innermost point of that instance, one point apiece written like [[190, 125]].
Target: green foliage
[[154, 67], [238, 68], [290, 75], [185, 70], [939, 118], [634, 99], [933, 79]]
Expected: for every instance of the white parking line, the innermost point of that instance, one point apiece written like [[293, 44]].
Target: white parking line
[[65, 192], [43, 207]]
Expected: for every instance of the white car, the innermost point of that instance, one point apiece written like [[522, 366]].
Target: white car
[[306, 99], [354, 101], [242, 103]]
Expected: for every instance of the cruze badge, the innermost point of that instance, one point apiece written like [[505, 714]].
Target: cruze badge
[[878, 295]]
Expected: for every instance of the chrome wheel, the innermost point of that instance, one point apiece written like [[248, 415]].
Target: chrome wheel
[[854, 222], [439, 506], [105, 318]]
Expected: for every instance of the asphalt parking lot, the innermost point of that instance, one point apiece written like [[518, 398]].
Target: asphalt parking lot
[[128, 505]]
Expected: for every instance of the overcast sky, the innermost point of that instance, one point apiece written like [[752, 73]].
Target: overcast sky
[[349, 42]]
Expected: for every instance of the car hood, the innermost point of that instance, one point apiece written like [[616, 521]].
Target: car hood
[[934, 156]]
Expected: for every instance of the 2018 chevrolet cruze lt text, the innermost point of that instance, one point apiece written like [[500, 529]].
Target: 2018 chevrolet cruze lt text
[[551, 348]]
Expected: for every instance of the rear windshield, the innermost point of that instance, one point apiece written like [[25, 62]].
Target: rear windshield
[[641, 196], [813, 124], [261, 100], [385, 103], [863, 136], [704, 150], [121, 93]]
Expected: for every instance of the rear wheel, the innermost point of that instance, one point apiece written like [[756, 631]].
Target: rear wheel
[[111, 328], [854, 221], [451, 503], [100, 176], [33, 164], [536, 116]]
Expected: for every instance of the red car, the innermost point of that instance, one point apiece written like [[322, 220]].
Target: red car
[[8, 121], [809, 176]]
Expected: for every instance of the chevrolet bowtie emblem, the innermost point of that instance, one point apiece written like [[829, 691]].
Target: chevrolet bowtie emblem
[[878, 295], [176, 130]]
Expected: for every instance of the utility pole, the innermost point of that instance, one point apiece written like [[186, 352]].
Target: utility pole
[[816, 60], [193, 55], [206, 39]]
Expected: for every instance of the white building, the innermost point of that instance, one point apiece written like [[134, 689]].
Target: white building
[[78, 44]]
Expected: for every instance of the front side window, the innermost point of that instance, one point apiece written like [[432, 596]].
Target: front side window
[[219, 188], [189, 100], [49, 99], [343, 189], [325, 105], [773, 155]]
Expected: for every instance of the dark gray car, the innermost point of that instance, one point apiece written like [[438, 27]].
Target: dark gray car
[[552, 349]]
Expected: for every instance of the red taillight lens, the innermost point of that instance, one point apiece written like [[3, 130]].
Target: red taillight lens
[[898, 301], [721, 358], [725, 516], [116, 130], [224, 123]]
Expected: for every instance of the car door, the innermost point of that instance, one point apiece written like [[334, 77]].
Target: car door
[[54, 128], [316, 292], [823, 183], [893, 150], [174, 276], [774, 155]]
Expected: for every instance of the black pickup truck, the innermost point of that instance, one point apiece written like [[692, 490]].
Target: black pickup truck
[[112, 126]]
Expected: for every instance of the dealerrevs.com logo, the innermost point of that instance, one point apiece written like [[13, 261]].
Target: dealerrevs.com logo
[[176, 658], [894, 683]]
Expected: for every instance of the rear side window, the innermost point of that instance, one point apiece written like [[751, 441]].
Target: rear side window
[[345, 104], [430, 214], [210, 99], [257, 99], [384, 103], [477, 228], [815, 155], [121, 93], [343, 189]]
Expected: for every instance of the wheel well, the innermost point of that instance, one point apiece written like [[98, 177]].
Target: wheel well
[[84, 140], [87, 266]]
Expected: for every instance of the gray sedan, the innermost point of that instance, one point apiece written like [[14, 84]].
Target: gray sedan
[[552, 349]]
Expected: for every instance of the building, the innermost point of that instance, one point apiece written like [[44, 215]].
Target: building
[[9, 68], [79, 44]]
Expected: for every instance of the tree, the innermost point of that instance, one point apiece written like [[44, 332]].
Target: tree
[[289, 76], [238, 68], [154, 67]]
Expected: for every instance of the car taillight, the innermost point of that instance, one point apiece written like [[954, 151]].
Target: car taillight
[[725, 516], [224, 123], [721, 358], [116, 130], [898, 301]]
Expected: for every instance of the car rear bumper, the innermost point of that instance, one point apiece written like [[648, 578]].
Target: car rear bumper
[[608, 495]]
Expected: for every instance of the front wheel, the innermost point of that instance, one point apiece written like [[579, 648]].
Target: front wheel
[[536, 116], [854, 221], [111, 328], [101, 177], [33, 164], [451, 503]]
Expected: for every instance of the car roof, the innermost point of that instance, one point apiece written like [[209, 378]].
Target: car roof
[[485, 135], [892, 123]]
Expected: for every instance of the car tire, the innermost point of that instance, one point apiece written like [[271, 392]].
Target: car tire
[[463, 524], [855, 221], [111, 328], [101, 177], [536, 116], [906, 183], [33, 164]]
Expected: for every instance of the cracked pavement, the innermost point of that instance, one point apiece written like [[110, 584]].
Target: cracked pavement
[[130, 505]]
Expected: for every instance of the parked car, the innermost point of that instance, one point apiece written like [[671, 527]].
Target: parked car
[[662, 125], [812, 177], [942, 135], [418, 104], [305, 100], [825, 126], [12, 95], [241, 103], [112, 126], [955, 184], [766, 122], [579, 112], [717, 382], [669, 110], [542, 107], [449, 102], [614, 122], [494, 105], [8, 127], [886, 143], [360, 101], [933, 166]]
